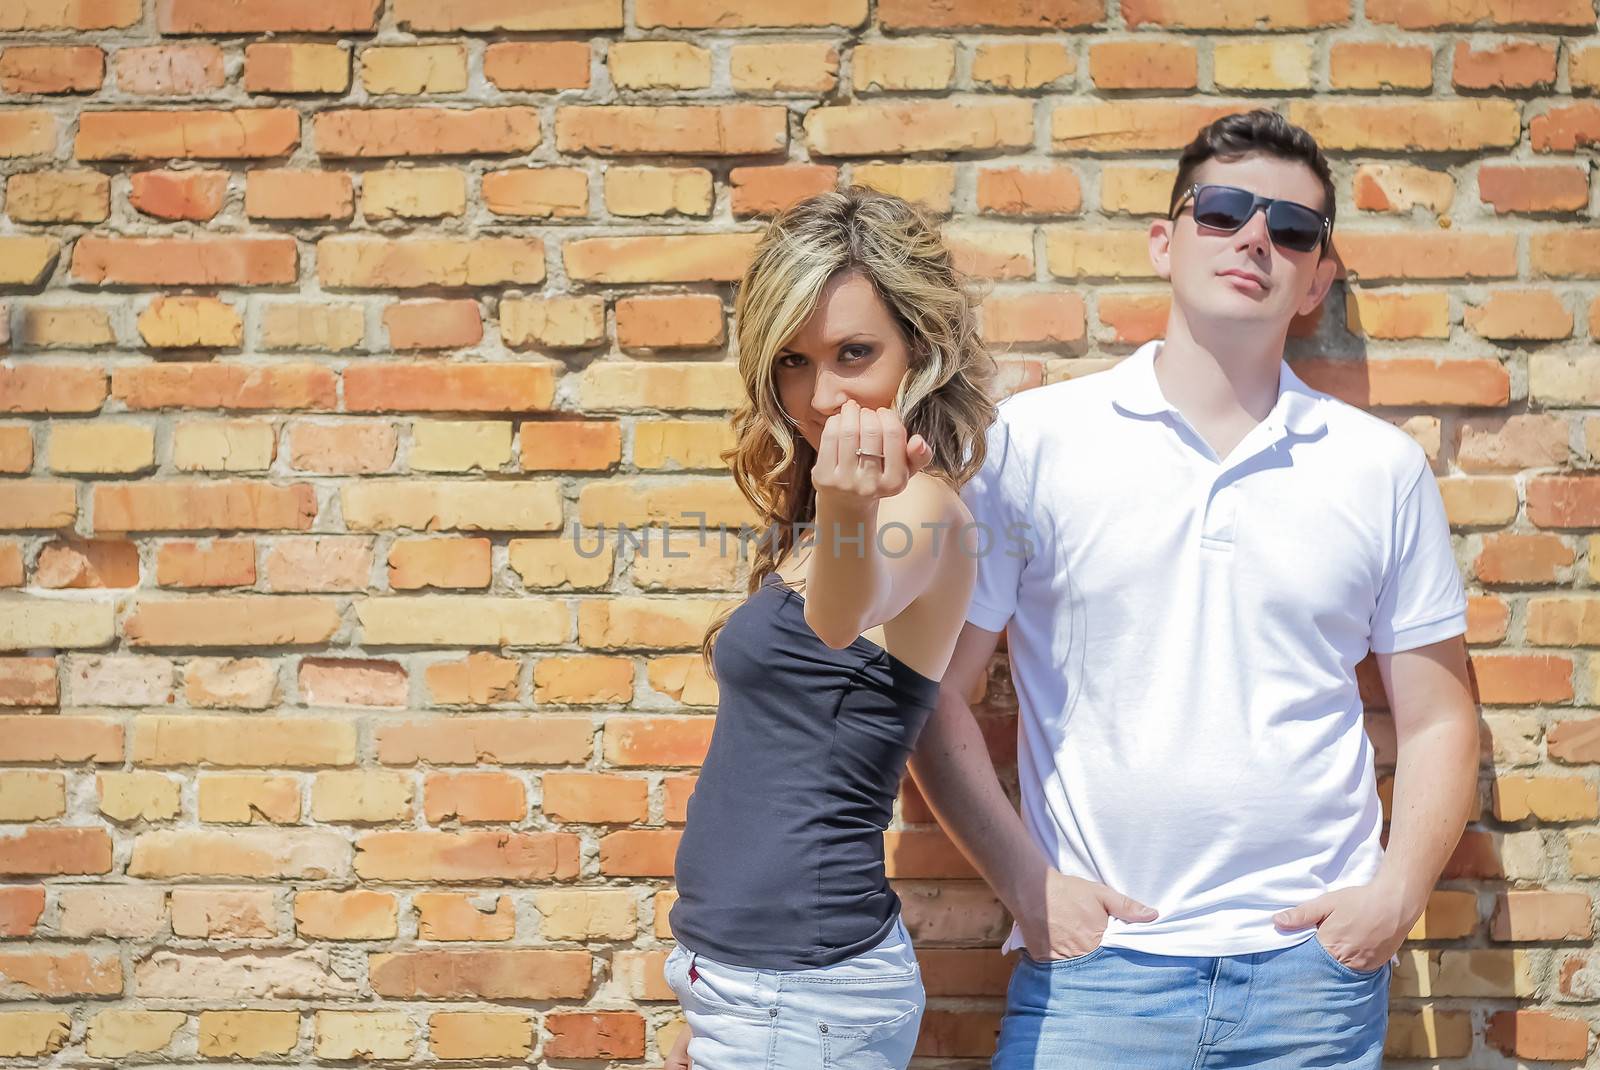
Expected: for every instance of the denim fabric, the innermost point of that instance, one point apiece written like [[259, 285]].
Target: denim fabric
[[860, 1014], [1293, 1008]]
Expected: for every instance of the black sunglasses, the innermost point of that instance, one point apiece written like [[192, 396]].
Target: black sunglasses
[[1227, 208]]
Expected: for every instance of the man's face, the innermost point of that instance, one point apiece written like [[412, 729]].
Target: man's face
[[1244, 276]]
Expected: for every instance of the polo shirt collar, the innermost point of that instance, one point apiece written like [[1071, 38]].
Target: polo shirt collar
[[1298, 408]]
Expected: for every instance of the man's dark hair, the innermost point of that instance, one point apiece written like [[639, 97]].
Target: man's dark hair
[[1246, 133]]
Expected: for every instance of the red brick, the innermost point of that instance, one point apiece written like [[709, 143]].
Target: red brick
[[1541, 915], [185, 261], [75, 563], [1029, 191], [597, 1035], [1564, 501], [28, 682], [1528, 188], [1380, 65], [55, 851], [267, 16], [639, 852], [520, 974], [46, 69], [240, 133], [169, 70], [189, 505], [20, 908], [1566, 129], [195, 195]]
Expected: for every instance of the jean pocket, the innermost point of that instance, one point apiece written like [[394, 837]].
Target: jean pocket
[[1066, 963], [881, 1045], [1348, 971], [712, 989]]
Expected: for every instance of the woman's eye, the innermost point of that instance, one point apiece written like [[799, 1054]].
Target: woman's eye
[[856, 352], [790, 360]]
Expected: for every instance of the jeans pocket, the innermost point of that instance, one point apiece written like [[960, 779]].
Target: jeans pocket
[[1066, 963], [881, 1045], [1348, 971], [715, 989]]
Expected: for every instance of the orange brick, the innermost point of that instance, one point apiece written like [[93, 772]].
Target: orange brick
[[1380, 65], [714, 14], [1522, 679], [1520, 315], [539, 192], [452, 324], [422, 131], [1129, 125], [168, 70], [46, 69], [202, 385], [597, 1035], [476, 855], [1545, 798], [768, 190], [299, 195], [639, 852], [689, 129], [474, 797], [538, 67], [458, 916], [1566, 129], [1540, 1035], [241, 133], [432, 16], [221, 563], [296, 67], [1504, 67], [195, 195], [1405, 381], [355, 915], [1029, 191], [998, 14], [791, 67], [185, 261], [634, 741], [1022, 65], [446, 563], [1033, 318], [1442, 14], [596, 798], [571, 446], [692, 321], [1416, 126], [1523, 559], [899, 127], [426, 387], [268, 16], [1143, 65]]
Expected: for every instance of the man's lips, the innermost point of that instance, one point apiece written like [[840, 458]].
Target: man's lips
[[1235, 273]]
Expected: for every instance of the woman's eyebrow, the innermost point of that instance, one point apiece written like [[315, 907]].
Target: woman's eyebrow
[[858, 336]]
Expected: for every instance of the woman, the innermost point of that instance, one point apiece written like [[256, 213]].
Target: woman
[[867, 402]]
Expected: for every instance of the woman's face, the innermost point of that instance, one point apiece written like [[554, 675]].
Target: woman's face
[[850, 347]]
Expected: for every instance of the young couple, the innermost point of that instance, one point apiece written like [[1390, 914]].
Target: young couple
[[1198, 874]]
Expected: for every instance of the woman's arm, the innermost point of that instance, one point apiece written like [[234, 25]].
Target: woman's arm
[[882, 526]]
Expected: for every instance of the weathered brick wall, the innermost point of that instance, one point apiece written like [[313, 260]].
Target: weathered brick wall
[[327, 321]]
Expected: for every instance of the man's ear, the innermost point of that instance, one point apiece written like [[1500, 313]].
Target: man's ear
[[1161, 247], [1321, 283]]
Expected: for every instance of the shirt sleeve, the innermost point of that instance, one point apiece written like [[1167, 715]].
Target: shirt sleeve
[[1421, 600], [1001, 544]]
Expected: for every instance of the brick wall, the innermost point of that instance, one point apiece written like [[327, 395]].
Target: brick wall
[[327, 321]]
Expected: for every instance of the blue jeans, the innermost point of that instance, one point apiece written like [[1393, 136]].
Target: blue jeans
[[860, 1014], [1113, 1009]]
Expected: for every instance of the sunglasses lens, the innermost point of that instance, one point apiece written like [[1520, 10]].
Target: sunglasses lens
[[1294, 227], [1221, 207]]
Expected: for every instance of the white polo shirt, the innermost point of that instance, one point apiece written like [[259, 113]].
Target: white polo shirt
[[1184, 632]]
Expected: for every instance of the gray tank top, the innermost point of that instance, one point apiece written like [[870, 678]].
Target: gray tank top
[[781, 862]]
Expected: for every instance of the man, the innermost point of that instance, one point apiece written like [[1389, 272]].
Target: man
[[1197, 875]]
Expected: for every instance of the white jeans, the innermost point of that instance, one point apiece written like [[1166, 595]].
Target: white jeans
[[860, 1014]]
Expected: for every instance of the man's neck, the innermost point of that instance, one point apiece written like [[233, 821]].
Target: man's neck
[[1223, 381]]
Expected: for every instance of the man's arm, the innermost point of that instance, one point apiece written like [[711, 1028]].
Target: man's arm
[[1060, 916], [1436, 768], [1436, 777]]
